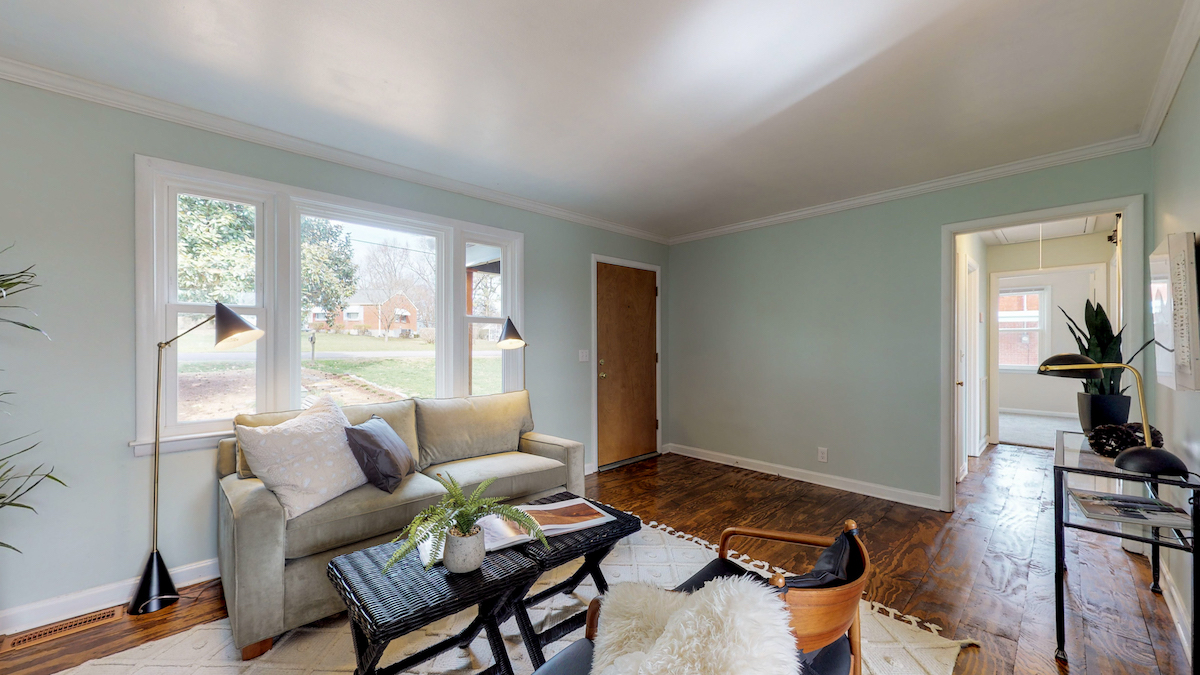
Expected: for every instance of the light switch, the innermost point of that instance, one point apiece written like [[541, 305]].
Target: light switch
[[583, 355]]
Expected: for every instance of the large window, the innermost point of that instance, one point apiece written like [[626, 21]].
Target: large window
[[352, 296], [1022, 320]]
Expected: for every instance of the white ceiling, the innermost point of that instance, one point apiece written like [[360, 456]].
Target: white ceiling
[[672, 117], [1058, 229]]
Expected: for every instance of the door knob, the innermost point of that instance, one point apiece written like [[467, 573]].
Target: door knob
[[958, 384], [603, 376]]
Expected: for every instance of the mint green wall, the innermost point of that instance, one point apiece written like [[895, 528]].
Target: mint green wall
[[826, 331], [66, 190], [1176, 165]]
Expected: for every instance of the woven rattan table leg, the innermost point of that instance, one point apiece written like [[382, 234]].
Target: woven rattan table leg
[[495, 640], [366, 653], [591, 562], [530, 636]]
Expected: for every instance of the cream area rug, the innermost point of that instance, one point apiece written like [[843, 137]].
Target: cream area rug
[[893, 644]]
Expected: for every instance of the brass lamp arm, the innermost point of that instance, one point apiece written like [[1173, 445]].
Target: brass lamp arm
[[168, 343], [1137, 377]]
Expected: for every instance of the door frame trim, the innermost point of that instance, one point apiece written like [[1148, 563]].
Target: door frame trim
[[1134, 290], [591, 455]]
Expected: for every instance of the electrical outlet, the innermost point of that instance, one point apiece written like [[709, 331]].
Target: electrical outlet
[[583, 355], [822, 454]]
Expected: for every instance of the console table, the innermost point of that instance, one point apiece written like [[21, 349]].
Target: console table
[[1073, 456]]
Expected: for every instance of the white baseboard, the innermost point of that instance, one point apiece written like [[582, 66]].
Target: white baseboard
[[920, 499], [962, 473], [590, 468], [1040, 413], [43, 612], [1178, 609]]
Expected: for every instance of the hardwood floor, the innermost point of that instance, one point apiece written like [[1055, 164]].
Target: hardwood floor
[[985, 571]]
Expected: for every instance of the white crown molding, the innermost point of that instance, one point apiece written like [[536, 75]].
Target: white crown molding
[[1178, 55], [862, 487], [45, 612], [978, 176], [42, 78]]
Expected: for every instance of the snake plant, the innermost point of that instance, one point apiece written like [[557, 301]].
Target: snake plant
[[1100, 344]]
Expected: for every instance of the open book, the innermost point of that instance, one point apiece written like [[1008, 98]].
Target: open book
[[558, 518], [1128, 509]]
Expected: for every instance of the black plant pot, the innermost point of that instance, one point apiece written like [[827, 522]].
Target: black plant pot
[[1098, 409]]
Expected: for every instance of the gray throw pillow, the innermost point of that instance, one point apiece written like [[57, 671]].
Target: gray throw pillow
[[382, 454]]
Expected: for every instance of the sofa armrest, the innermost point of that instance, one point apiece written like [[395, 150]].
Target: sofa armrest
[[569, 453], [250, 542]]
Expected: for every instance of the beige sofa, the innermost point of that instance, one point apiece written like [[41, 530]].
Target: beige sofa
[[273, 569]]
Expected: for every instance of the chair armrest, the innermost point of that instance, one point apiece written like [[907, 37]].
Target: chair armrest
[[773, 535], [593, 619], [251, 529], [569, 453]]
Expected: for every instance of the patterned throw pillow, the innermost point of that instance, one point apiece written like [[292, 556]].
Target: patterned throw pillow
[[306, 461]]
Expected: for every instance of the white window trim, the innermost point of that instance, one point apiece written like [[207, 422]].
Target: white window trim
[[278, 305], [1044, 322]]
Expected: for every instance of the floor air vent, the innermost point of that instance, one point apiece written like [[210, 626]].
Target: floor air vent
[[57, 630]]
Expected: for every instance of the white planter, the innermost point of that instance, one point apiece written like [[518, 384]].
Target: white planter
[[464, 554]]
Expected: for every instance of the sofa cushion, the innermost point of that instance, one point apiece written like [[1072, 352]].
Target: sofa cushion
[[517, 473], [401, 415], [450, 429], [381, 453], [359, 514], [306, 461]]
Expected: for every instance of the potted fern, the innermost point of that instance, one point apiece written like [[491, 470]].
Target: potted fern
[[1103, 400], [452, 524]]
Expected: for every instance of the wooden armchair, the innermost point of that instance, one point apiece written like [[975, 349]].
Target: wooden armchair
[[824, 619]]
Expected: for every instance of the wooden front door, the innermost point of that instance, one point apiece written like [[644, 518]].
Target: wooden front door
[[627, 358]]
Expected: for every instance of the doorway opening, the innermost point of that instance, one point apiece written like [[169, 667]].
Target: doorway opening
[[1006, 279]]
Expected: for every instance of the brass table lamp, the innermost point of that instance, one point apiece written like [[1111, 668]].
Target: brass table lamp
[[1142, 459], [156, 589]]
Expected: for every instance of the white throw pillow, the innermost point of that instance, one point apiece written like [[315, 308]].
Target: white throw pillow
[[305, 461]]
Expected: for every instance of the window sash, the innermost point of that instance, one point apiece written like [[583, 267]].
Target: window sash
[[1026, 316], [279, 209]]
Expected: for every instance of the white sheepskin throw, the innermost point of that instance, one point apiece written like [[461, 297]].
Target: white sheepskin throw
[[732, 625]]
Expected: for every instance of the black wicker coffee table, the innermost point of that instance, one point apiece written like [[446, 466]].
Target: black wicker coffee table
[[383, 608], [593, 545]]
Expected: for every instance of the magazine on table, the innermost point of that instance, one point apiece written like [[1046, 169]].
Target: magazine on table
[[1129, 509], [558, 518]]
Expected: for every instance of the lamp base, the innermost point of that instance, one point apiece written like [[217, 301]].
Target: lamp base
[[156, 589], [1154, 461]]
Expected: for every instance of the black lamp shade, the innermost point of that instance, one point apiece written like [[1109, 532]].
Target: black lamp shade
[[1077, 361], [510, 338], [233, 330]]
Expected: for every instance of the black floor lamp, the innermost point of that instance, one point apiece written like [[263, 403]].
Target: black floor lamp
[[156, 589]]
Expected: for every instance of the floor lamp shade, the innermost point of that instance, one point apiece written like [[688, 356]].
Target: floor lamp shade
[[156, 590], [232, 330], [509, 337]]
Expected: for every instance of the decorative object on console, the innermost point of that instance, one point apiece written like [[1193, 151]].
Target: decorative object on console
[[452, 523], [1102, 400], [511, 339], [1108, 440], [1176, 309], [156, 590], [382, 455], [1155, 461]]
